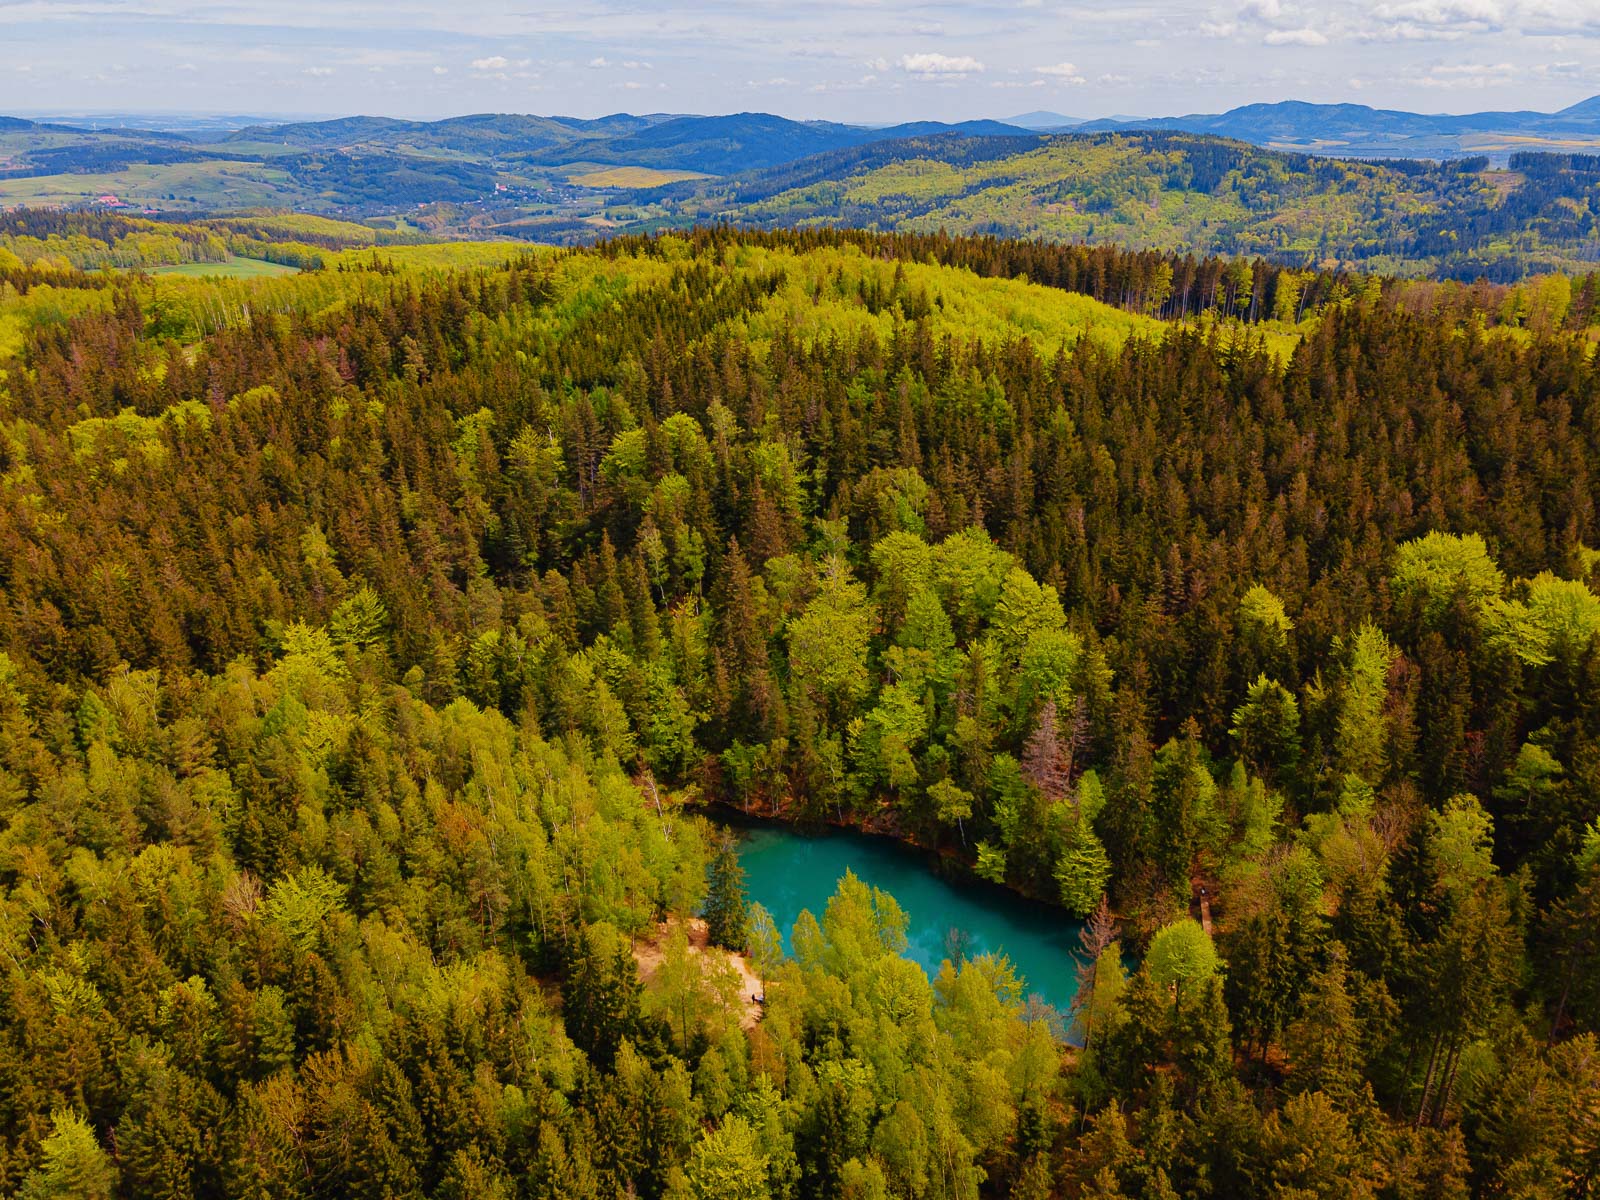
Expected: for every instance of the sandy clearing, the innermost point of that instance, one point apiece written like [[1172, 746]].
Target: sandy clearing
[[649, 954]]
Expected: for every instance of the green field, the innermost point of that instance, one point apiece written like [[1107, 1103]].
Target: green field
[[630, 177], [221, 184], [234, 268]]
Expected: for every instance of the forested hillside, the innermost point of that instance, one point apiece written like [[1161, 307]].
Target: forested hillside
[[1188, 193], [381, 642], [1529, 211]]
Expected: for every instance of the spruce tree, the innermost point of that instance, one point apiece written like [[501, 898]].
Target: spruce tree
[[725, 908]]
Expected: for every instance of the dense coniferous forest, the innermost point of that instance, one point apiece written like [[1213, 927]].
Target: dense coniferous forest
[[380, 643]]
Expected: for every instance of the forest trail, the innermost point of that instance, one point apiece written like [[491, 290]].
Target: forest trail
[[649, 955]]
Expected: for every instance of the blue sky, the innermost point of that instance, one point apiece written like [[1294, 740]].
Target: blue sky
[[859, 60]]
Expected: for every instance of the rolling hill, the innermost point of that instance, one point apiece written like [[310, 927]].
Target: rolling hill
[[717, 145], [1178, 191]]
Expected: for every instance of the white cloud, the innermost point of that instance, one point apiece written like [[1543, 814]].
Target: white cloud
[[1435, 20], [965, 47], [1444, 12], [1061, 72], [1295, 37], [932, 66], [1462, 76], [318, 72], [1579, 73], [848, 85]]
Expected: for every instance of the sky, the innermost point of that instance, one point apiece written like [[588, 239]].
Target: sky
[[851, 60]]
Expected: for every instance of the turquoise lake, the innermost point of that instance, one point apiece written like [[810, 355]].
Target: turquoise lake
[[786, 872]]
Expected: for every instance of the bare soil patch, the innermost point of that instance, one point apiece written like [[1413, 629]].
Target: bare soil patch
[[649, 954]]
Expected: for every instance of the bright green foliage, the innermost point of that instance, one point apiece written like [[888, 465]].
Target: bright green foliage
[[828, 642], [952, 805], [902, 564], [303, 903], [75, 1167], [1361, 736], [1557, 621], [1460, 839], [1091, 795], [727, 1164], [1439, 569], [991, 864], [1588, 856], [1182, 956], [360, 621], [1532, 779], [968, 570], [764, 940], [1565, 612], [1083, 871], [1262, 618], [1101, 1003], [1024, 611]]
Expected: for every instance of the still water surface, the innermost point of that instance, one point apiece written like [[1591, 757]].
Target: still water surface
[[787, 872]]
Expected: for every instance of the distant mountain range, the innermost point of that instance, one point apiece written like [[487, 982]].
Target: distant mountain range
[[740, 142], [723, 145], [1043, 120], [719, 145], [1357, 130]]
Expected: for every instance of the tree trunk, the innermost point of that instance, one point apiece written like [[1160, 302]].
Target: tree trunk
[[1447, 1083], [1427, 1079]]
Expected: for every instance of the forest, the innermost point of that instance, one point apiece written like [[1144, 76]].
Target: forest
[[383, 644], [1185, 192]]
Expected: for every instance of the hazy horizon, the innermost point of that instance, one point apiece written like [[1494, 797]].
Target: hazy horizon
[[242, 118], [864, 61]]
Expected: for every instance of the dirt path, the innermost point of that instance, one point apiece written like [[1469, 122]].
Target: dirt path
[[649, 954]]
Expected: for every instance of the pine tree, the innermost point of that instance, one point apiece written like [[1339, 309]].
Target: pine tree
[[725, 908], [1083, 870], [1325, 1045], [75, 1167]]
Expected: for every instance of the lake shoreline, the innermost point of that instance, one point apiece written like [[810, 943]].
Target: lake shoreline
[[947, 858], [789, 870]]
